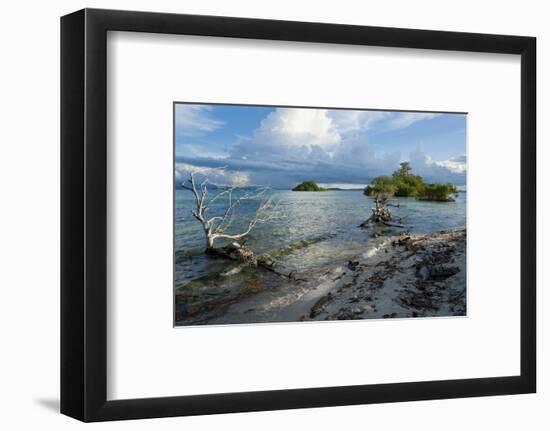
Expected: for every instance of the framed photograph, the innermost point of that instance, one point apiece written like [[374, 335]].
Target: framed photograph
[[272, 220], [262, 215]]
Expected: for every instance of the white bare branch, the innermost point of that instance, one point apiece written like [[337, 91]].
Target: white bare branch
[[217, 227]]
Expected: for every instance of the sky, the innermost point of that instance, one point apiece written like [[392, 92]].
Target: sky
[[282, 147]]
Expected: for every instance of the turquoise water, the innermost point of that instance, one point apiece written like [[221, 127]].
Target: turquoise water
[[322, 226]]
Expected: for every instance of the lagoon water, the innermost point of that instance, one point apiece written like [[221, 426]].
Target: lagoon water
[[320, 229]]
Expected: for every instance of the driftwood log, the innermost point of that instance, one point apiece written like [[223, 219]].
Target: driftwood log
[[380, 214]]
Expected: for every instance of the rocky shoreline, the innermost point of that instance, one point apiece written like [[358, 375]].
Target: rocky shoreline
[[404, 276]]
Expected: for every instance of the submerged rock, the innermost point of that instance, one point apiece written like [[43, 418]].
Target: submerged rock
[[233, 271], [353, 264], [443, 272], [424, 273]]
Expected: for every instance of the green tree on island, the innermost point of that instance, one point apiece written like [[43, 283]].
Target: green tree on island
[[308, 186], [404, 170], [438, 192], [407, 184], [403, 183], [382, 187]]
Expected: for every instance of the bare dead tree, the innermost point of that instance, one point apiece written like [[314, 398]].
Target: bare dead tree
[[218, 227], [381, 214]]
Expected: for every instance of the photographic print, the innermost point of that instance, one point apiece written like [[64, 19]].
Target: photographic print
[[291, 214]]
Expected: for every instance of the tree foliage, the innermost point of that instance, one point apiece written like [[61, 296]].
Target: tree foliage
[[403, 171], [403, 183], [382, 189], [439, 192], [308, 186]]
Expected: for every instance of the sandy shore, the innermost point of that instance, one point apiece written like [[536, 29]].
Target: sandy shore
[[404, 276], [398, 276]]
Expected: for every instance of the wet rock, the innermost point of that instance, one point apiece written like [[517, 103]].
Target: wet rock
[[420, 301], [194, 309], [424, 273], [353, 264], [443, 272], [320, 305], [233, 271], [345, 314], [404, 241]]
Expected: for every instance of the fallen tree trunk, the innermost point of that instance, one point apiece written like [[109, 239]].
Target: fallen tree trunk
[[380, 214], [234, 251], [246, 257]]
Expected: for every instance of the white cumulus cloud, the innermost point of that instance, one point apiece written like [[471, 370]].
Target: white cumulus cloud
[[292, 144], [452, 170], [240, 179], [219, 175], [455, 164], [293, 134]]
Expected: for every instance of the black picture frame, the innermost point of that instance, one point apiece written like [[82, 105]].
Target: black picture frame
[[84, 214]]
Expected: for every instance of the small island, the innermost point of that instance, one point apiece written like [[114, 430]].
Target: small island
[[308, 186], [403, 183]]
